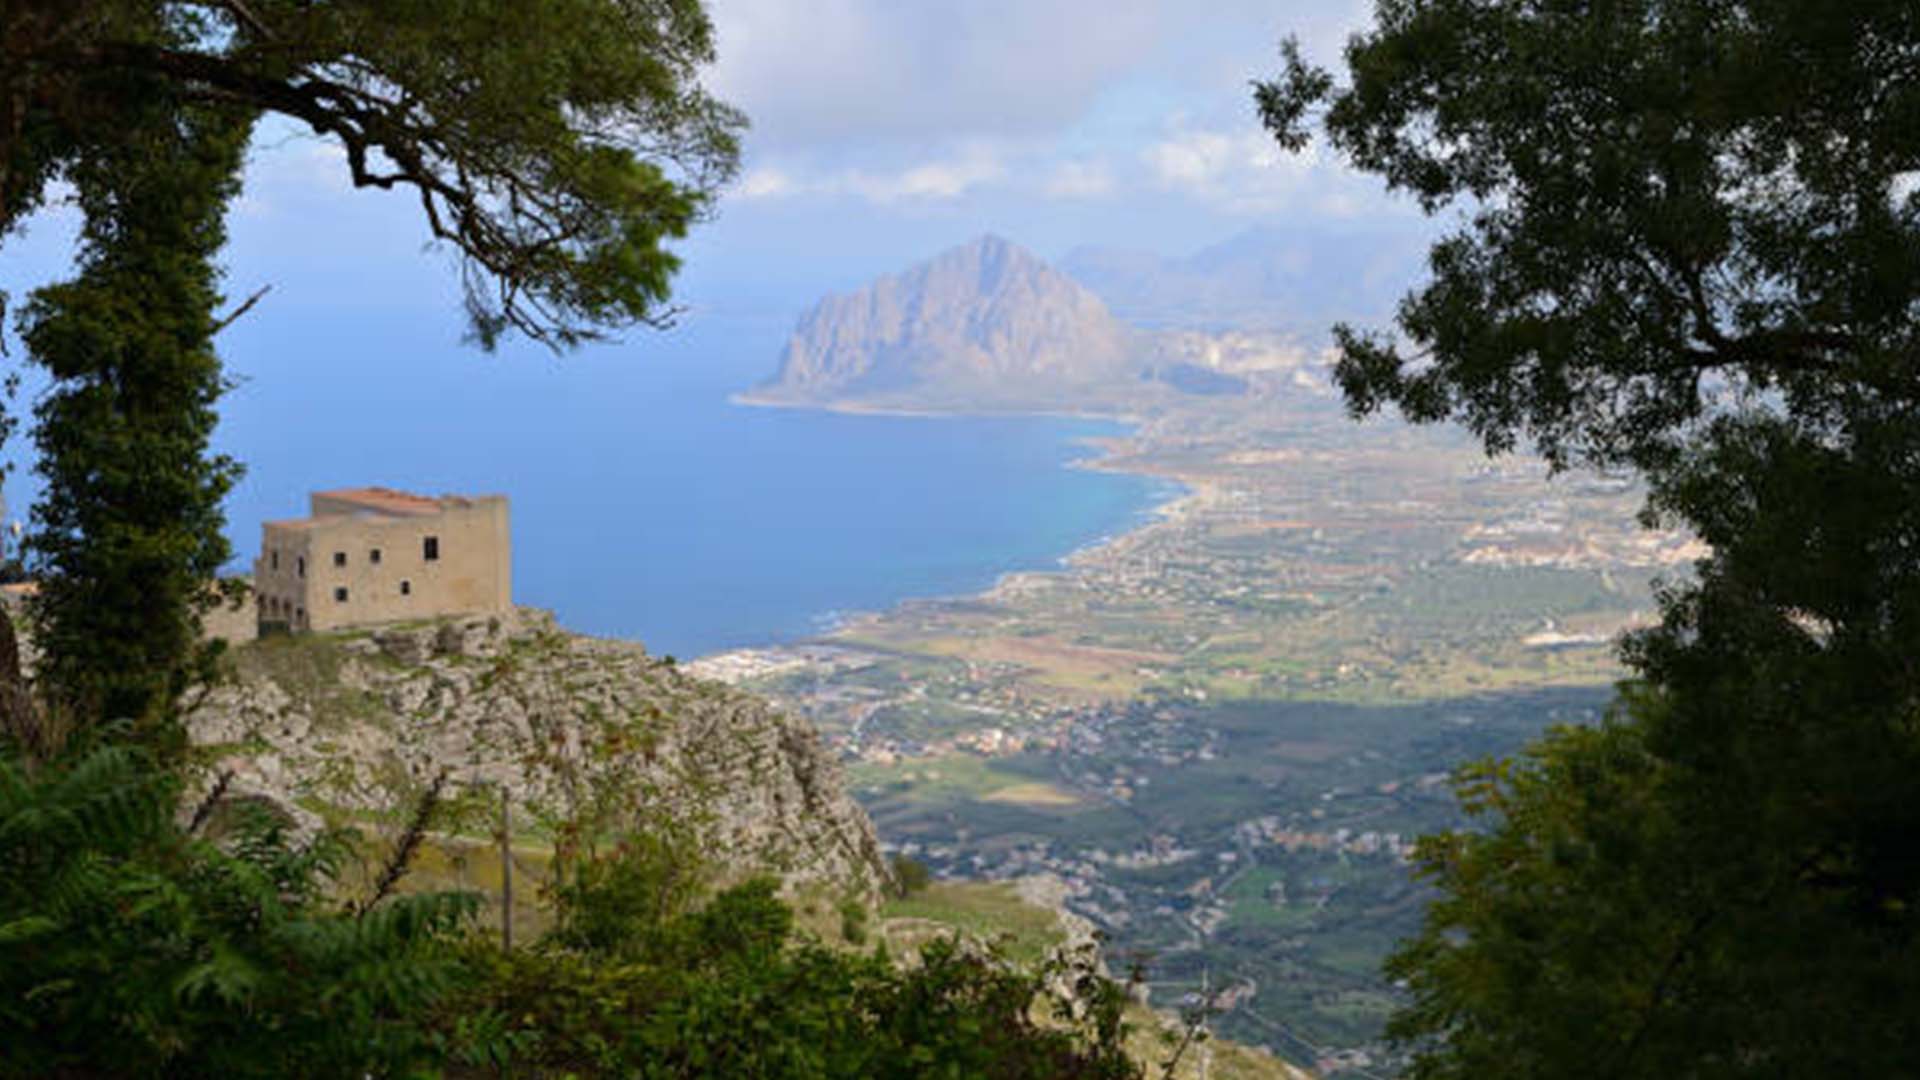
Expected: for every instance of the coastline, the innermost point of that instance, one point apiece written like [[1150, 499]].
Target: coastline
[[1167, 514], [1162, 513], [746, 399]]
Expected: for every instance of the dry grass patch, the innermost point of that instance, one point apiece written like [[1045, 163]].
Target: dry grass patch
[[1034, 794]]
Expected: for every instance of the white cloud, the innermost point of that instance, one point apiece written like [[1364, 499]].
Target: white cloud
[[1089, 101], [831, 71], [942, 179], [1194, 160], [765, 183], [1245, 172], [939, 180], [1080, 180], [1904, 185], [290, 168]]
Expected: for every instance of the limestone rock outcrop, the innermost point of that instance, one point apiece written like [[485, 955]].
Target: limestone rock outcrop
[[574, 728]]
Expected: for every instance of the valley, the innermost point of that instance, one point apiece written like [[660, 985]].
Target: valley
[[1224, 730]]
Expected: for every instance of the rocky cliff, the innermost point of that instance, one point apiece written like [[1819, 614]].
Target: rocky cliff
[[575, 728], [990, 327], [986, 324]]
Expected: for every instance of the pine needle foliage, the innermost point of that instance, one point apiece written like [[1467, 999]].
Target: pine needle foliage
[[555, 146]]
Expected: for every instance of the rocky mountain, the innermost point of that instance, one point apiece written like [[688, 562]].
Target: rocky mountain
[[991, 327], [983, 325], [574, 728]]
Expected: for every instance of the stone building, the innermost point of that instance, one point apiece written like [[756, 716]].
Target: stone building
[[373, 555]]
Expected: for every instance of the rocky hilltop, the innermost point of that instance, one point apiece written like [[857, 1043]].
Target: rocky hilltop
[[990, 327], [983, 324], [575, 728]]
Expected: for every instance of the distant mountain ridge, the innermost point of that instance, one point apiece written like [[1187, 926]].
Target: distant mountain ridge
[[987, 320], [1263, 279]]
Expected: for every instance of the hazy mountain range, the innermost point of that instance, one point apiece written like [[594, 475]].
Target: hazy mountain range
[[1270, 280]]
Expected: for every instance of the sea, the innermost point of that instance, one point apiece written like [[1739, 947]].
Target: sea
[[646, 504]]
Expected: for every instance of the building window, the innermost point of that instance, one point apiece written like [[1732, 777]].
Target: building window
[[273, 560], [300, 566], [431, 548], [406, 588], [340, 594], [339, 558], [299, 614], [374, 556]]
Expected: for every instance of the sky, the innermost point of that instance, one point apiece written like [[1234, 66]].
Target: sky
[[883, 131]]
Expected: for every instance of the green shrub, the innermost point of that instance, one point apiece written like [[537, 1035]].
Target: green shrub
[[730, 989], [910, 876], [131, 947], [853, 921]]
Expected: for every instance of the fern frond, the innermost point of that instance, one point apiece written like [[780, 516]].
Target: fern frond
[[227, 975], [27, 929]]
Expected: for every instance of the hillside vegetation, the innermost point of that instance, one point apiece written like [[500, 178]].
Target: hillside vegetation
[[1022, 919]]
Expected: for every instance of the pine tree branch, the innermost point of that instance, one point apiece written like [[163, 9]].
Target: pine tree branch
[[245, 306]]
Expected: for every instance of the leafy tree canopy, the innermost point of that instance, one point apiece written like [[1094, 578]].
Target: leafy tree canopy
[[733, 988], [1671, 206], [127, 532], [554, 143], [1687, 241]]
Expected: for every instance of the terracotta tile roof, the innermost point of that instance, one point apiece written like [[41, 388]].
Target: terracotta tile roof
[[384, 500], [297, 524]]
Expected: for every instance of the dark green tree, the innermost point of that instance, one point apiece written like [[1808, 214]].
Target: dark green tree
[[1688, 242], [558, 146], [1673, 208], [128, 531]]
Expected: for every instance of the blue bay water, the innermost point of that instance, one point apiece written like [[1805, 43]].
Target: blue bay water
[[647, 506]]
